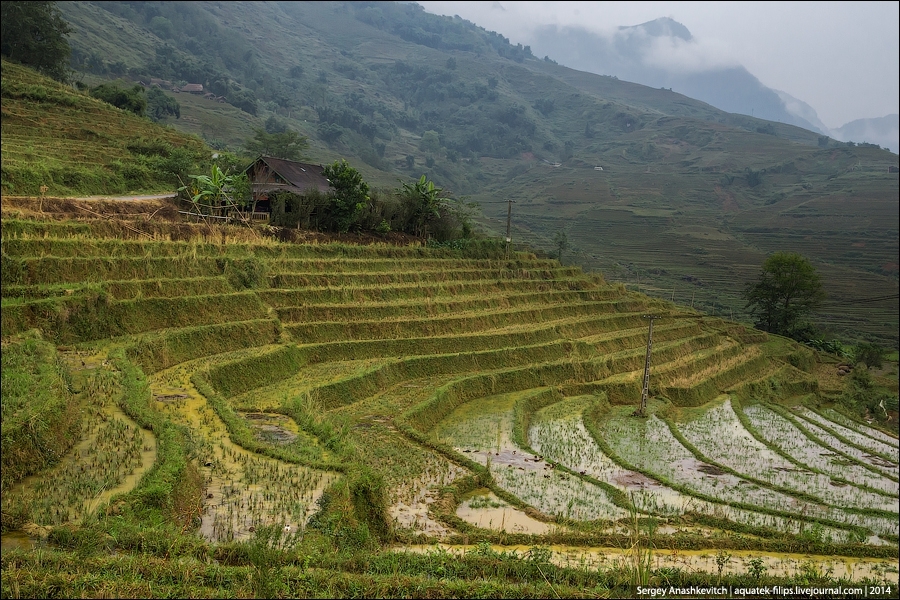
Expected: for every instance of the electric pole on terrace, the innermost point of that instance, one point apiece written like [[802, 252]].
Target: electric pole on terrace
[[645, 391], [508, 223]]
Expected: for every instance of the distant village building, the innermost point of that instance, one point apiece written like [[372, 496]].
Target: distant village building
[[192, 88]]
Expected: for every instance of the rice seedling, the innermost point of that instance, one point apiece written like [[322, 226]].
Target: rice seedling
[[482, 429], [719, 435], [864, 429], [243, 490], [781, 433], [849, 450], [651, 447], [877, 447], [111, 456], [558, 433]]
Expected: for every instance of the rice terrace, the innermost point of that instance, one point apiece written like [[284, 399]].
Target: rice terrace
[[235, 408], [224, 412]]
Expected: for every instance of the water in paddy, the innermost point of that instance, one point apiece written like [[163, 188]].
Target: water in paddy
[[482, 429], [558, 432], [482, 508], [243, 491], [273, 428], [859, 438], [719, 434], [738, 562], [781, 433], [651, 446]]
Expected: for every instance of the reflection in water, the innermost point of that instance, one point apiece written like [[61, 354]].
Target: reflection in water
[[484, 509]]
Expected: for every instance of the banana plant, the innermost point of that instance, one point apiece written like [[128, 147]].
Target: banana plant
[[216, 192], [428, 202]]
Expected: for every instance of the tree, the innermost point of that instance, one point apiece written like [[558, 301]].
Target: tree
[[787, 291], [288, 144], [131, 100], [349, 193], [218, 192], [423, 203], [34, 34], [160, 104], [871, 355]]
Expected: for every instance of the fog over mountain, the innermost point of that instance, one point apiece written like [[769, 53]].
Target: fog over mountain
[[840, 58], [662, 53]]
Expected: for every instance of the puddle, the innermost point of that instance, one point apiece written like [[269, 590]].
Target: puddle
[[273, 428], [18, 540], [243, 490], [411, 505], [484, 509], [737, 561]]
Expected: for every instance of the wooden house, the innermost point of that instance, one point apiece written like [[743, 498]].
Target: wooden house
[[268, 175]]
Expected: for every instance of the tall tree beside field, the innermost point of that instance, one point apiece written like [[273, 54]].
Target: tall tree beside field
[[34, 34], [286, 144], [787, 291], [349, 194]]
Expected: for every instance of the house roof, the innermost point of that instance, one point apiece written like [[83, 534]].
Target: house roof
[[192, 87], [300, 176]]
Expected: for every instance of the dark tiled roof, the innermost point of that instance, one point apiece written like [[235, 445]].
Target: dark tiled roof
[[301, 176]]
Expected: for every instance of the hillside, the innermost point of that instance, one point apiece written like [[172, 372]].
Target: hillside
[[236, 415], [73, 144], [688, 204]]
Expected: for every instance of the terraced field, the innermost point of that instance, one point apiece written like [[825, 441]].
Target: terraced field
[[462, 398]]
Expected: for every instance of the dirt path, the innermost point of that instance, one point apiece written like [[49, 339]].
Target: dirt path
[[133, 197]]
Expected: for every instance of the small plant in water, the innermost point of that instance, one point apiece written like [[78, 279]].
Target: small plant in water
[[757, 568], [722, 560]]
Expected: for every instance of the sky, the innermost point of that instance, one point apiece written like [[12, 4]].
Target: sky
[[841, 58]]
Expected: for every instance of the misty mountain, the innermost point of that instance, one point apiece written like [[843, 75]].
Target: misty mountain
[[661, 53], [883, 131]]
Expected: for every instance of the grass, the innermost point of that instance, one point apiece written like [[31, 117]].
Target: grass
[[74, 144]]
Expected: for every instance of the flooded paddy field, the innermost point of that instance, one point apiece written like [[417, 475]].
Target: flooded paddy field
[[243, 490]]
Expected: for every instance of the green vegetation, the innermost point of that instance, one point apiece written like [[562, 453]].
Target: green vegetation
[[34, 34], [787, 291], [69, 143], [277, 141], [485, 120], [199, 409]]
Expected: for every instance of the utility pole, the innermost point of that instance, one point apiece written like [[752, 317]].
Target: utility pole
[[508, 223], [645, 391]]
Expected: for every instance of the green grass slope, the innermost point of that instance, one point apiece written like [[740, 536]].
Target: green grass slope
[[73, 144]]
